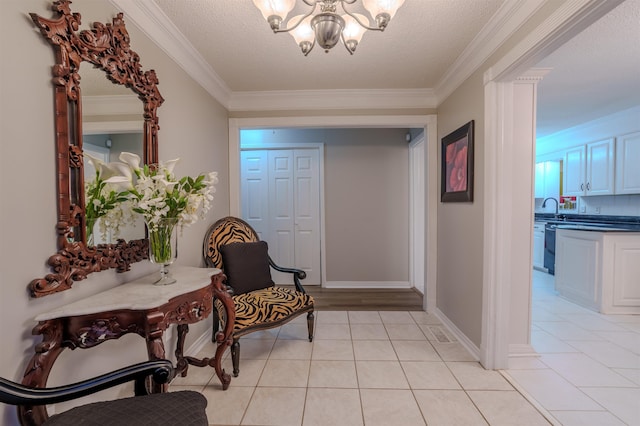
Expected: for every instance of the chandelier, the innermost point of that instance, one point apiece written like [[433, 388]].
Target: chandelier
[[327, 27]]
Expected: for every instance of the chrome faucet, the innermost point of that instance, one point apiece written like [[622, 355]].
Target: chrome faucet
[[544, 203]]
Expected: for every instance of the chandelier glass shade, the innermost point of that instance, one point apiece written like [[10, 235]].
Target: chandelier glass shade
[[323, 25]]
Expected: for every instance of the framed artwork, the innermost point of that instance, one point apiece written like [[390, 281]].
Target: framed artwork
[[457, 165]]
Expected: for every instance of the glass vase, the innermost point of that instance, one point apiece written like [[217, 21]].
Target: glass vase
[[90, 225], [163, 247]]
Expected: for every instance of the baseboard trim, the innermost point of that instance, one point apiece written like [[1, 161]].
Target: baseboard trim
[[521, 350], [367, 284], [462, 338]]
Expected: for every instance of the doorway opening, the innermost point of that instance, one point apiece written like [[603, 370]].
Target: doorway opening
[[425, 123]]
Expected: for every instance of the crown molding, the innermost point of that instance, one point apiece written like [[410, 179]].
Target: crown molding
[[623, 122], [112, 105], [509, 17], [344, 121], [332, 99], [568, 20], [151, 20]]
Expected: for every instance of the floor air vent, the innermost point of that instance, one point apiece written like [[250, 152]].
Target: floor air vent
[[439, 334]]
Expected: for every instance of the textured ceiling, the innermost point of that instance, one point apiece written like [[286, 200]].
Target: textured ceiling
[[415, 51], [594, 74]]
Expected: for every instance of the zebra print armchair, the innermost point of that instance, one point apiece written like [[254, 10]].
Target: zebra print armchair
[[233, 245]]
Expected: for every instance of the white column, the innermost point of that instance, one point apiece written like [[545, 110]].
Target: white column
[[510, 109]]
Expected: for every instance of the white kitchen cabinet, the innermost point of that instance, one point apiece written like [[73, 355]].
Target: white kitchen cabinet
[[547, 179], [589, 169], [577, 265], [574, 174], [628, 164], [599, 270], [538, 246]]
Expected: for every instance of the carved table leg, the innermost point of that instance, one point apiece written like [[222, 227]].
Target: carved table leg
[[223, 337], [37, 372], [155, 345], [216, 362], [182, 362]]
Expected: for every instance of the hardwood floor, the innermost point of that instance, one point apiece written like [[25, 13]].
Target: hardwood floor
[[327, 299]]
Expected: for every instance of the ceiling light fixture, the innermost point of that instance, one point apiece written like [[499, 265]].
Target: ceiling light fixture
[[326, 27]]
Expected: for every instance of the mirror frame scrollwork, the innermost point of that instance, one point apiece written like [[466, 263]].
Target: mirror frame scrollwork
[[106, 47]]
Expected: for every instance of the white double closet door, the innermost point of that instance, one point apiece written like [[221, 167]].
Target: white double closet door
[[280, 196]]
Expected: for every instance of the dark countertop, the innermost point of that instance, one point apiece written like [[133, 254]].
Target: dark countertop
[[597, 223], [596, 228]]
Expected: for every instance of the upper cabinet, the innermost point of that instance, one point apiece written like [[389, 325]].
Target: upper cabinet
[[547, 179], [590, 169], [627, 164]]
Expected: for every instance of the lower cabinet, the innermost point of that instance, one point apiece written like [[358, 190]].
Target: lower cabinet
[[599, 270], [538, 246]]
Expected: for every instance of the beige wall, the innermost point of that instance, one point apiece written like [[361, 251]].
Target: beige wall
[[193, 127], [366, 187], [460, 225], [367, 205]]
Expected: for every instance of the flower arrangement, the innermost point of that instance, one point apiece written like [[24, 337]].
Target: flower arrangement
[[156, 194], [123, 188], [105, 200]]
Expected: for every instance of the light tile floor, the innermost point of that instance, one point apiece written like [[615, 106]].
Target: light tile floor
[[363, 368], [405, 368], [588, 368]]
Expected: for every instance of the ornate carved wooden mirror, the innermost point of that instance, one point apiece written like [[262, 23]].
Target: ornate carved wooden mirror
[[105, 47]]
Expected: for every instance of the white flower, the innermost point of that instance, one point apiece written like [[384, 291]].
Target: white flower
[[169, 165], [104, 170], [122, 178], [132, 160], [95, 162]]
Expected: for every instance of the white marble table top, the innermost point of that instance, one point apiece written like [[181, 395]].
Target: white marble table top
[[140, 294]]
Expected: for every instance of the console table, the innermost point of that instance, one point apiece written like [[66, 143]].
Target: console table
[[135, 307]]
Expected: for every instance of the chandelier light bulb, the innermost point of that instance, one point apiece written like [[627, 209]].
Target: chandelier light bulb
[[322, 25], [302, 32], [353, 31], [379, 7], [275, 11]]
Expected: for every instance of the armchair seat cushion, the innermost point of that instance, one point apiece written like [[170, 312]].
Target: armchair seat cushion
[[266, 308], [186, 408]]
